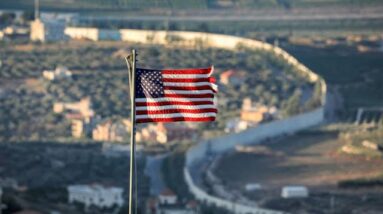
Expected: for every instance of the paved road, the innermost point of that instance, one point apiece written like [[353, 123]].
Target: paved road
[[153, 170]]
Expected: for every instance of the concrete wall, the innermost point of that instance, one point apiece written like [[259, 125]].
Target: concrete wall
[[225, 143], [82, 33], [219, 202], [250, 136], [109, 35], [255, 135], [192, 38]]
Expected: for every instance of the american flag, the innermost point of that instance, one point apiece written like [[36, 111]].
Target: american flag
[[175, 95]]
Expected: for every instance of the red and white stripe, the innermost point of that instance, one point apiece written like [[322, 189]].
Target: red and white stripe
[[189, 96]]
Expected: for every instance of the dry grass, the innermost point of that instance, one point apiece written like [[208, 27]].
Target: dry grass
[[308, 159]]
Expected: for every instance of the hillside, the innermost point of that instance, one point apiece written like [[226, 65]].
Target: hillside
[[353, 74], [42, 172], [132, 5], [99, 71], [312, 159]]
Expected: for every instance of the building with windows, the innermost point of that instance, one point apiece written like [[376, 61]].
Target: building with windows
[[80, 114], [14, 32], [167, 203], [96, 195], [167, 197], [251, 115], [111, 131], [257, 113], [231, 77], [167, 132], [46, 30]]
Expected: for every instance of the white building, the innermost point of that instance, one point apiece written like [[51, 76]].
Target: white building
[[111, 131], [250, 187], [237, 125], [8, 183], [167, 203], [47, 30], [167, 197], [295, 192], [99, 196], [82, 33], [167, 132], [60, 72], [15, 30]]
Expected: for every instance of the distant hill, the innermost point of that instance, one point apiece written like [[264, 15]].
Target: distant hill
[[181, 4]]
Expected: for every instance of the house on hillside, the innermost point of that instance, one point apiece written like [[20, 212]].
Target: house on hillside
[[166, 132], [231, 77], [236, 125], [251, 115], [80, 114], [83, 108], [95, 195], [45, 30], [14, 32], [257, 113], [167, 203], [8, 183], [167, 197], [78, 128], [111, 131]]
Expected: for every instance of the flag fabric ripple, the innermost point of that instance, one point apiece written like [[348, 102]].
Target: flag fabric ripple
[[175, 95]]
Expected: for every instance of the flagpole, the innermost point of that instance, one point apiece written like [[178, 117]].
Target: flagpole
[[131, 62]]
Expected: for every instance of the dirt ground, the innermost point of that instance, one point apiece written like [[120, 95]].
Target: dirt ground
[[310, 159]]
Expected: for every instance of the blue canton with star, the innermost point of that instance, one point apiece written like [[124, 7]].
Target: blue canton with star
[[149, 84]]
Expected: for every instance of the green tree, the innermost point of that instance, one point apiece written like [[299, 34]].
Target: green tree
[[28, 15], [292, 105], [7, 18], [315, 99]]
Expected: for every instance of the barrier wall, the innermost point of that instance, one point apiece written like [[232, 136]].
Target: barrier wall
[[219, 202], [82, 33], [191, 38], [224, 143], [255, 135]]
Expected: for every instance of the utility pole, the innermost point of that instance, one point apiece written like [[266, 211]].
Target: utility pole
[[37, 12]]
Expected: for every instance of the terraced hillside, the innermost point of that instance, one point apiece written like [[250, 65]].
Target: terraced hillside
[[356, 75], [99, 71], [42, 172]]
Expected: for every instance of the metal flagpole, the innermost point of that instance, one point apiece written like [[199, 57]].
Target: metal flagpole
[[131, 62]]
